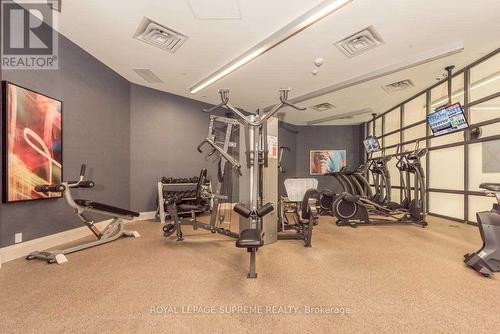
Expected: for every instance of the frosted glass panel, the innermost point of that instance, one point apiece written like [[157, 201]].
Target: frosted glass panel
[[447, 168], [485, 78], [439, 94], [392, 120], [378, 127], [478, 204], [393, 172], [391, 140], [485, 111], [414, 110], [490, 130], [481, 169], [447, 139], [415, 132], [390, 151], [451, 205], [396, 195]]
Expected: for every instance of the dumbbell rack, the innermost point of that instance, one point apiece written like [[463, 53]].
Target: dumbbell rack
[[161, 212]]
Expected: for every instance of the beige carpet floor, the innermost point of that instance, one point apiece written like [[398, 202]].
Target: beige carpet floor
[[394, 279]]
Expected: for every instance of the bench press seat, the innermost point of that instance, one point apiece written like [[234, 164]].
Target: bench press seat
[[249, 238], [104, 207]]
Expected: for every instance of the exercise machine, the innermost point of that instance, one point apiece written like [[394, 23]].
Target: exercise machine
[[298, 211], [111, 232], [250, 236], [201, 204], [486, 260], [354, 210]]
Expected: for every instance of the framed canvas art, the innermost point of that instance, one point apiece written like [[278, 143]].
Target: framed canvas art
[[326, 161], [32, 143]]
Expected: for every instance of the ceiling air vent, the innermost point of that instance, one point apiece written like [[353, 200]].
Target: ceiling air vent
[[398, 86], [162, 37], [360, 42], [323, 106], [148, 75]]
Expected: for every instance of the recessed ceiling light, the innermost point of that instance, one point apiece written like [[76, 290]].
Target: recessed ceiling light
[[315, 14]]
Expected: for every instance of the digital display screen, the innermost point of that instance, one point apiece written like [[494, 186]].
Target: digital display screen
[[371, 144], [448, 119]]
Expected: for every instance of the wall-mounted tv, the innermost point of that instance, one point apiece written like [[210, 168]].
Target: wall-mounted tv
[[447, 119], [371, 144]]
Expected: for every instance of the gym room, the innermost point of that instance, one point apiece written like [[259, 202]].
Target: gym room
[[236, 166]]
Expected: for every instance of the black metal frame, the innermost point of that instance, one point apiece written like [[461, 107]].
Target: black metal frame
[[464, 143]]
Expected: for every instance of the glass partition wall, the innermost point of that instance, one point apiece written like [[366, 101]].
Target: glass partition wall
[[456, 163]]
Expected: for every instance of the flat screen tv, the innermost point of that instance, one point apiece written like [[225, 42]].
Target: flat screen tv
[[448, 119], [371, 144]]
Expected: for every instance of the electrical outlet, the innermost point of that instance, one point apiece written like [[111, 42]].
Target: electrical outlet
[[18, 237]]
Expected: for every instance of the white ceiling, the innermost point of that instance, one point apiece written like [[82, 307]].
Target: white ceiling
[[106, 28]]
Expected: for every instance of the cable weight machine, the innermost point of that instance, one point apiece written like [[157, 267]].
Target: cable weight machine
[[251, 237]]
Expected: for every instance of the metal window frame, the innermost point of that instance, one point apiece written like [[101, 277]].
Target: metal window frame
[[465, 143]]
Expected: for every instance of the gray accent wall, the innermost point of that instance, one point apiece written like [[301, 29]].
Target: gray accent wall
[[130, 136], [165, 131], [96, 123], [348, 137]]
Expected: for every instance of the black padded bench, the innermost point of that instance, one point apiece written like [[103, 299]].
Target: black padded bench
[[249, 238], [104, 207]]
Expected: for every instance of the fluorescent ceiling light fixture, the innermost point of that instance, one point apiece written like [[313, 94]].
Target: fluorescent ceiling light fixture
[[310, 17], [475, 85]]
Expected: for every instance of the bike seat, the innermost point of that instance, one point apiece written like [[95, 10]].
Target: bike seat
[[490, 186], [104, 207]]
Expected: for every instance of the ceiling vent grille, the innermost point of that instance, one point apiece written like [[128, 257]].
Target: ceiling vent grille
[[398, 86], [323, 106], [148, 75], [360, 42], [160, 36]]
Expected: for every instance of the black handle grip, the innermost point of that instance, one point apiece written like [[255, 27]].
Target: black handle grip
[[50, 188], [82, 170], [242, 211], [264, 210], [200, 146], [86, 184]]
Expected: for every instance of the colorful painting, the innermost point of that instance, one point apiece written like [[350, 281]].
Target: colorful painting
[[326, 161], [32, 143]]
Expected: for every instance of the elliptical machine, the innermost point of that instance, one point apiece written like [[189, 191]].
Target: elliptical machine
[[354, 210], [486, 260]]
